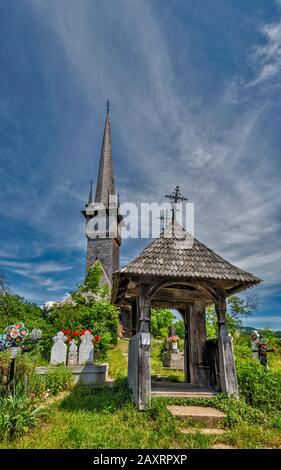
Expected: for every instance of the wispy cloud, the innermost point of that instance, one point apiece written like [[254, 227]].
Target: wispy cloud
[[38, 274], [268, 55]]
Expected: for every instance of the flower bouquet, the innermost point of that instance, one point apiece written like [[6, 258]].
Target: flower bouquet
[[76, 335], [16, 334]]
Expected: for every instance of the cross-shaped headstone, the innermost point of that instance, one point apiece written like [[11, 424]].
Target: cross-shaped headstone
[[59, 349], [86, 349], [72, 357]]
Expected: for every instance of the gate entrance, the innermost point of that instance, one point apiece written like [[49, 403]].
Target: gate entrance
[[168, 275]]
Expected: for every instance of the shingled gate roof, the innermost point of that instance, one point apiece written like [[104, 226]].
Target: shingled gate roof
[[176, 254]]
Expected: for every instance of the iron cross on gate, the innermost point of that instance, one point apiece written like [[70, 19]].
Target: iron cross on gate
[[175, 197]]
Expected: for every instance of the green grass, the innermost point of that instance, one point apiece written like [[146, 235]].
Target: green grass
[[103, 417], [118, 361]]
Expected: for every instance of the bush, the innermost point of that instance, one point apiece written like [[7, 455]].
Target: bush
[[242, 347], [17, 413], [58, 379], [90, 308], [24, 367], [4, 367], [37, 387], [276, 422], [14, 309], [260, 387]]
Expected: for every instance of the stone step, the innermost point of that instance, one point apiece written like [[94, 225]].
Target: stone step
[[165, 385], [180, 394], [197, 413], [180, 390], [207, 431]]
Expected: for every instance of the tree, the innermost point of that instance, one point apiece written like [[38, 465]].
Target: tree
[[161, 321], [180, 329], [237, 309], [89, 308]]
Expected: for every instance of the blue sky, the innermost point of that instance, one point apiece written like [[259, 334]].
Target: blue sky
[[195, 93]]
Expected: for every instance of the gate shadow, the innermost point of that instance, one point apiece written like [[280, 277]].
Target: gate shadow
[[97, 397]]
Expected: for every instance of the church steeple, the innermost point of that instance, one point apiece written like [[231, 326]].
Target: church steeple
[[103, 246], [105, 183]]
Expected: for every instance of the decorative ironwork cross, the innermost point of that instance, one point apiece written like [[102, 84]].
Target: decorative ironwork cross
[[175, 197]]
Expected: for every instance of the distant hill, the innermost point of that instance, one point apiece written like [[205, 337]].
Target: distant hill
[[247, 330]]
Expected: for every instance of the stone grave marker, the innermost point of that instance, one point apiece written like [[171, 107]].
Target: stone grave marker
[[59, 349], [72, 357], [86, 349]]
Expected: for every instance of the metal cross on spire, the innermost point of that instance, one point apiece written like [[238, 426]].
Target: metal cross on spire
[[175, 197]]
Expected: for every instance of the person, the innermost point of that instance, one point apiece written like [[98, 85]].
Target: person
[[262, 351], [254, 344]]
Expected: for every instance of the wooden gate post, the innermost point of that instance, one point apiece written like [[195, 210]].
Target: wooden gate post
[[134, 319], [227, 370], [185, 314], [144, 351], [197, 344]]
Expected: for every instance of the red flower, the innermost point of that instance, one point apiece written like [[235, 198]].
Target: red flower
[[66, 332], [86, 329], [96, 339]]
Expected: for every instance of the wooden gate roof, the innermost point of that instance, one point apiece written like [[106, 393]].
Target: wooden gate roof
[[176, 255]]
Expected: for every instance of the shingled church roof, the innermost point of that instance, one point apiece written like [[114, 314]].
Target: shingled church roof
[[176, 254]]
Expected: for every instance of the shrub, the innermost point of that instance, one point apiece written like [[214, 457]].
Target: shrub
[[24, 367], [4, 366], [58, 379], [14, 309], [260, 387], [276, 422], [17, 413], [242, 347], [90, 308], [36, 386]]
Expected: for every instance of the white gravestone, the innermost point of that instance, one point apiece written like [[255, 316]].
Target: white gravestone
[[59, 349], [86, 349], [72, 357]]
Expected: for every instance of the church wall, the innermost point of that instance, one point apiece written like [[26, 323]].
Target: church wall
[[107, 251]]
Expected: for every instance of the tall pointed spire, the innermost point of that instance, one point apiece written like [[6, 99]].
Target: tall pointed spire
[[105, 183], [90, 198], [103, 242]]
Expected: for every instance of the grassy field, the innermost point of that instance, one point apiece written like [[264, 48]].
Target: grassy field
[[105, 418]]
